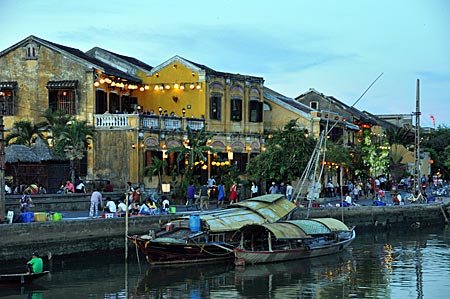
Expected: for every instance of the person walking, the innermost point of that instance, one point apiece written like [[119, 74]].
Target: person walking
[[204, 197], [220, 195], [96, 198], [233, 193], [190, 194]]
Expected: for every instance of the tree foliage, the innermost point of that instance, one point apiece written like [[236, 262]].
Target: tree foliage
[[22, 132], [194, 151], [436, 142], [287, 153]]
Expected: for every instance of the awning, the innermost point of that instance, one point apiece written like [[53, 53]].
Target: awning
[[333, 224], [8, 85], [64, 84]]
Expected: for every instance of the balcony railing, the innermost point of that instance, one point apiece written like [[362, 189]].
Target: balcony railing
[[149, 122]]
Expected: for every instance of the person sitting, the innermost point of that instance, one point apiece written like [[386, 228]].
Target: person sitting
[[121, 207], [69, 187], [165, 206], [110, 206], [35, 265], [133, 208], [153, 207], [144, 210], [25, 203], [109, 187], [80, 188]]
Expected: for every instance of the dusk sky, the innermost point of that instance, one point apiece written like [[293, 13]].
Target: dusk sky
[[336, 47]]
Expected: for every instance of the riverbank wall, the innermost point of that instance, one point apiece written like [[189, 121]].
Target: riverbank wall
[[78, 236]]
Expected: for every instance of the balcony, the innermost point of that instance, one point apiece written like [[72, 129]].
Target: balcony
[[147, 122]]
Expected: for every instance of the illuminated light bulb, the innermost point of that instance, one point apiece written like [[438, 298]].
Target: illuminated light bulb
[[192, 86], [182, 87], [96, 84], [156, 87], [176, 86]]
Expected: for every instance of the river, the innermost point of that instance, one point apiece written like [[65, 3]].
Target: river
[[406, 264]]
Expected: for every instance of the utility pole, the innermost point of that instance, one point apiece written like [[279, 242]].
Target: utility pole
[[417, 144], [2, 164]]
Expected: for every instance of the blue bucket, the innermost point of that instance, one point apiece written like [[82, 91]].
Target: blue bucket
[[194, 223], [27, 216]]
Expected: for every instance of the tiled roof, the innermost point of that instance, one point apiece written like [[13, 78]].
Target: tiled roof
[[78, 53]]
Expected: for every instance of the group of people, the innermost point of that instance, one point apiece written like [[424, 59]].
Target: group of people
[[285, 189], [203, 195], [22, 188]]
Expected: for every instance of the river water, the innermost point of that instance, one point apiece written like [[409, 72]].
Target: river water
[[407, 264]]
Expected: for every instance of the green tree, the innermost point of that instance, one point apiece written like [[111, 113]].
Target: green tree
[[194, 151], [436, 143], [156, 168], [22, 132], [55, 124], [400, 136], [375, 155], [73, 142], [287, 153]]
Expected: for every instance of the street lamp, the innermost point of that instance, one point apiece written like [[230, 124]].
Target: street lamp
[[183, 111], [160, 110]]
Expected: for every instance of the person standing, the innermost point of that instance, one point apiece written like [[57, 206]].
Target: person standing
[[233, 193], [204, 197], [273, 189], [254, 189], [96, 198], [190, 194], [35, 265], [282, 189], [289, 191], [220, 194]]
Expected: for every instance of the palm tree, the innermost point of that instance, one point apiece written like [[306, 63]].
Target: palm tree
[[401, 136], [73, 142], [55, 123], [194, 149], [23, 132], [156, 169]]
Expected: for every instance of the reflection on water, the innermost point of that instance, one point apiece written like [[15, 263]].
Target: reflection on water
[[413, 264]]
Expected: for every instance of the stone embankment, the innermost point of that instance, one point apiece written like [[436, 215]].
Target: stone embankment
[[78, 236]]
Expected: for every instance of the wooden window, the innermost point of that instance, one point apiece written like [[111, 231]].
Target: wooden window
[[236, 109], [256, 111], [8, 97], [100, 101], [215, 103], [62, 99]]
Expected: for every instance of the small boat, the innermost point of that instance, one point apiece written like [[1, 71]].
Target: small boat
[[291, 240], [18, 279], [206, 237]]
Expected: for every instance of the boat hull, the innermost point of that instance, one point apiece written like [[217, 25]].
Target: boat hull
[[20, 278], [243, 256], [162, 253]]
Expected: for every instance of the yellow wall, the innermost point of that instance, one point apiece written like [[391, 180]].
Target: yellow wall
[[174, 99]]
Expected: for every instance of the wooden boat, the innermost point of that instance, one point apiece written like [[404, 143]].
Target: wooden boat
[[206, 237], [18, 279], [291, 240]]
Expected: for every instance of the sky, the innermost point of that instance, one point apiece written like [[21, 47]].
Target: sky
[[339, 47]]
